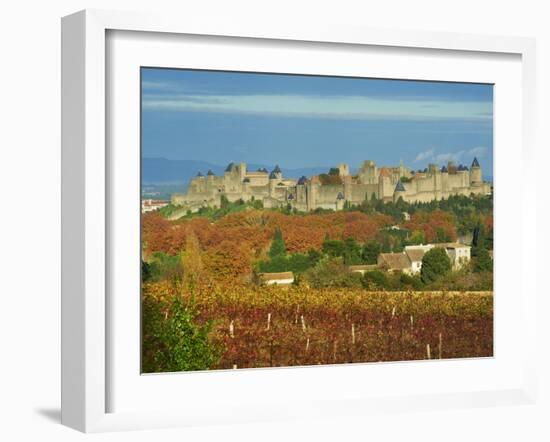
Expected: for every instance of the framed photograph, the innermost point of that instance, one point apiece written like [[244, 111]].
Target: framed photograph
[[279, 222]]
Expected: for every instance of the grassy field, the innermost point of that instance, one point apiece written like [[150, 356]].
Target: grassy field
[[289, 326]]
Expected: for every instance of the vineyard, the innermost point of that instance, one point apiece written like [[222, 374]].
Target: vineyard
[[204, 305], [276, 326]]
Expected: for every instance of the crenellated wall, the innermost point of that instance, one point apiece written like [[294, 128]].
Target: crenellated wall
[[274, 190]]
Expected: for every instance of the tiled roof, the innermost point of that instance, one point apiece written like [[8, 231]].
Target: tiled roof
[[384, 171], [452, 245], [475, 163], [397, 261], [415, 254]]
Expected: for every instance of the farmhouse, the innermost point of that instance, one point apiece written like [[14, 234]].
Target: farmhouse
[[395, 262], [410, 260], [150, 205]]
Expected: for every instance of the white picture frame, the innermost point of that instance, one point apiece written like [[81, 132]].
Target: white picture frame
[[86, 316]]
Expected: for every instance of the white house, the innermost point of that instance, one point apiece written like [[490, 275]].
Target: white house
[[149, 205], [459, 254]]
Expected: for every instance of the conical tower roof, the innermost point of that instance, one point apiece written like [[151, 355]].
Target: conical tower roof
[[475, 163], [399, 187]]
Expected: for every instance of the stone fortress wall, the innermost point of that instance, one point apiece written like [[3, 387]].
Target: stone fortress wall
[[306, 194]]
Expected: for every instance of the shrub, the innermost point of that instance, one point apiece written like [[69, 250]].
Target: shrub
[[375, 279], [161, 267], [483, 262], [277, 245], [332, 272], [408, 281], [172, 341]]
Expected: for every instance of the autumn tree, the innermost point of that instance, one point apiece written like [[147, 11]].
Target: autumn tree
[[191, 261], [228, 260]]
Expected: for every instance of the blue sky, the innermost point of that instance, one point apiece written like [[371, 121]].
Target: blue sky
[[310, 121]]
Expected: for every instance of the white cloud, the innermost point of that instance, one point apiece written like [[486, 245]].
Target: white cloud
[[478, 151], [345, 107], [464, 155], [423, 156]]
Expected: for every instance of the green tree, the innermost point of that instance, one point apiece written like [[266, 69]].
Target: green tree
[[172, 341], [435, 264], [333, 247], [483, 261], [332, 272], [314, 256], [278, 246], [352, 252], [370, 253], [479, 239]]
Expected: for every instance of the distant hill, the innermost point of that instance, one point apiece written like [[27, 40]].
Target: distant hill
[[164, 171]]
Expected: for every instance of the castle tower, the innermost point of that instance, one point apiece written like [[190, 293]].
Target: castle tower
[[340, 201], [475, 174], [451, 167], [343, 169], [301, 192], [242, 170], [368, 174], [201, 182], [312, 189], [444, 181], [347, 187], [401, 168], [437, 177], [275, 178], [246, 189], [385, 189], [399, 192]]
